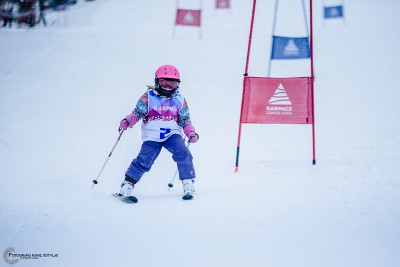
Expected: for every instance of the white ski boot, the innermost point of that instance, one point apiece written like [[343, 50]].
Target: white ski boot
[[188, 189], [126, 192]]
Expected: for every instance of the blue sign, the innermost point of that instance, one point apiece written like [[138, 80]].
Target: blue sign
[[333, 12], [290, 47]]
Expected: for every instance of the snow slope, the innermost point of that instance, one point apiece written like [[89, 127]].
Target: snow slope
[[65, 88]]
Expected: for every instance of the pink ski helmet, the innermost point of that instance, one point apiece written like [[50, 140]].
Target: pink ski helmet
[[168, 71]]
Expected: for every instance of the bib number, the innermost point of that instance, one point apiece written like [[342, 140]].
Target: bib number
[[164, 132]]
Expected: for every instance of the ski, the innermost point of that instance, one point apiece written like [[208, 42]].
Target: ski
[[188, 196], [130, 199]]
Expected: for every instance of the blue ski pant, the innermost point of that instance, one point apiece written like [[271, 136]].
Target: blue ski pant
[[150, 151]]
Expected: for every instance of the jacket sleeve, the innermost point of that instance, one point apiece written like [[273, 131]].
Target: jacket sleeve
[[142, 107], [141, 110], [184, 115]]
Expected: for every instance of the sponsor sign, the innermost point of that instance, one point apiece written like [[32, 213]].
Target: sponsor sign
[[290, 47], [188, 17], [221, 4], [333, 12], [277, 100]]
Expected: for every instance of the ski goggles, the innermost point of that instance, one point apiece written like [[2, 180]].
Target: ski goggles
[[168, 84]]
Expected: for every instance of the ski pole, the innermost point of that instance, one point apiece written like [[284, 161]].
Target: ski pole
[[109, 155], [171, 184]]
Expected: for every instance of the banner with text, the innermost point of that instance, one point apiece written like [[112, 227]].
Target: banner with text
[[277, 100]]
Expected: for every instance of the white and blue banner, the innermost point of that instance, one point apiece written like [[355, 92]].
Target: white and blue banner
[[290, 47], [333, 12]]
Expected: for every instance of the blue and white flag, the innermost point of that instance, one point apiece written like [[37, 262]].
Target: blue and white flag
[[290, 47], [333, 12]]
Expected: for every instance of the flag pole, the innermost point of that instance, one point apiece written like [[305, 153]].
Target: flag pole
[[305, 16], [201, 25], [312, 84], [176, 17], [244, 80], [344, 18], [273, 34]]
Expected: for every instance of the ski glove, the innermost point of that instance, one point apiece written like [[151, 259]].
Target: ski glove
[[123, 125], [128, 121], [190, 132], [193, 137]]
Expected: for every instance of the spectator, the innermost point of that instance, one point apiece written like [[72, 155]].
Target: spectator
[[27, 12], [6, 12], [42, 8]]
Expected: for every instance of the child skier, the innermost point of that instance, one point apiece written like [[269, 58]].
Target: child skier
[[164, 113]]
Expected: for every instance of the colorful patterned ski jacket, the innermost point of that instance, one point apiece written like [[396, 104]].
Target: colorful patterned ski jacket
[[161, 116]]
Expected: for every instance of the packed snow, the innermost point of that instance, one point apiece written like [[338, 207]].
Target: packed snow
[[65, 88]]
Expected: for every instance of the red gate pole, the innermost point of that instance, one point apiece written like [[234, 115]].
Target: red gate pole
[[245, 75], [312, 84]]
